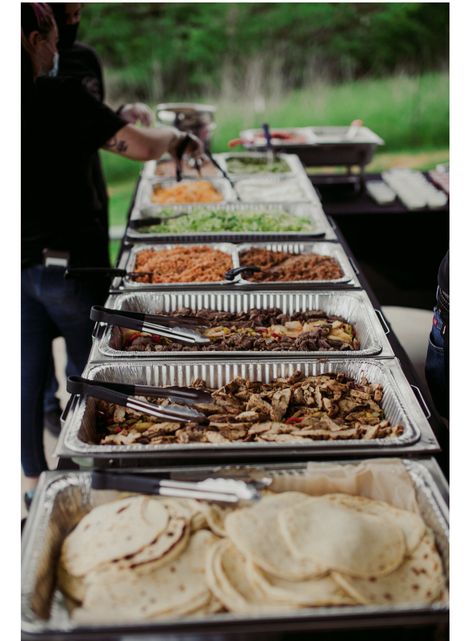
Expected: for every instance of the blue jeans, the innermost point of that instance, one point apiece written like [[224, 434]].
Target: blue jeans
[[437, 366], [49, 304]]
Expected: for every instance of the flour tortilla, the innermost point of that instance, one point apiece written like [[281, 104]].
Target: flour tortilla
[[169, 544], [215, 516], [112, 531], [257, 535], [121, 593], [226, 577], [72, 586], [342, 539], [411, 524], [419, 580], [94, 616], [320, 591]]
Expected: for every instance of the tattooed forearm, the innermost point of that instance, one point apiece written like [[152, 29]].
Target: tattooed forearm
[[119, 145]]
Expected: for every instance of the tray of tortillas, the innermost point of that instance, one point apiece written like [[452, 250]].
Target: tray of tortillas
[[323, 544]]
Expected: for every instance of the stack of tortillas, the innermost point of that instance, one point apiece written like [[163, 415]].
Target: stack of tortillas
[[331, 550], [138, 558], [146, 558]]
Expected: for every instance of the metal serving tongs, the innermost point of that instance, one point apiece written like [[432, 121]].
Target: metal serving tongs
[[243, 269], [222, 171], [215, 490], [93, 272], [186, 395], [177, 328], [181, 148], [125, 395], [151, 219]]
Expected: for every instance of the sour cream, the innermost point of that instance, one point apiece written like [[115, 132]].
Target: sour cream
[[261, 190]]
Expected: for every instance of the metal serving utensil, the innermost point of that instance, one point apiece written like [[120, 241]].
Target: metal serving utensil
[[92, 272], [186, 395], [176, 328], [234, 272], [223, 172], [109, 393], [151, 219], [181, 148], [215, 490]]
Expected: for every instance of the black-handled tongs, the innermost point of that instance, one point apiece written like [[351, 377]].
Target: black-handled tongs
[[150, 219], [176, 328], [186, 395], [124, 395], [181, 148], [218, 490], [243, 269], [93, 272], [271, 156], [222, 171]]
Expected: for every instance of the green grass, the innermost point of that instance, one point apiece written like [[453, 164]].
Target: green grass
[[114, 246], [411, 114], [408, 112], [120, 194]]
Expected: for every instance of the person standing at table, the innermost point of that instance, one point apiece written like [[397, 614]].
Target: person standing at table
[[63, 126], [79, 61], [437, 357]]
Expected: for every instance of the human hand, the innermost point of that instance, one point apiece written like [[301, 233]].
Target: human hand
[[137, 112]]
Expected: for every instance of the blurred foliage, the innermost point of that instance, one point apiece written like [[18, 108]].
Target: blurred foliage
[[179, 50]]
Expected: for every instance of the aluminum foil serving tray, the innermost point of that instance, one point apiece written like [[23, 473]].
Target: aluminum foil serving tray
[[128, 259], [79, 437], [146, 187], [319, 224], [268, 180], [63, 498], [353, 305], [335, 250], [326, 145], [293, 162], [348, 279]]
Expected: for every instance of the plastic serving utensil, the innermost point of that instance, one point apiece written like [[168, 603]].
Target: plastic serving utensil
[[354, 129], [268, 140]]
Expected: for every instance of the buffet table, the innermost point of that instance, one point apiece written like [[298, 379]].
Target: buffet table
[[410, 464]]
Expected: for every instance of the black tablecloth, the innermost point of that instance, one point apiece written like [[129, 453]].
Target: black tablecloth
[[398, 250]]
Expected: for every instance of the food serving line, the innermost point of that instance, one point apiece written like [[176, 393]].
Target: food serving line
[[121, 357]]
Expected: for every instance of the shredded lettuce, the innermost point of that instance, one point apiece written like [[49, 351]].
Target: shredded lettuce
[[221, 220]]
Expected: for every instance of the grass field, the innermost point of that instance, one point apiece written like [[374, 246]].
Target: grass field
[[411, 114]]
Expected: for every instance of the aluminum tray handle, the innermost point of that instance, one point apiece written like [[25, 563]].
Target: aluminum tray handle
[[421, 399], [383, 322]]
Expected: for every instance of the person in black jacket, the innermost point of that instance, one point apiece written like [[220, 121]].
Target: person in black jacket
[[437, 358], [79, 61], [63, 126]]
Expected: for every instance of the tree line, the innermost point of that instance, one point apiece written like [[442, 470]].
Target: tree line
[[184, 50]]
